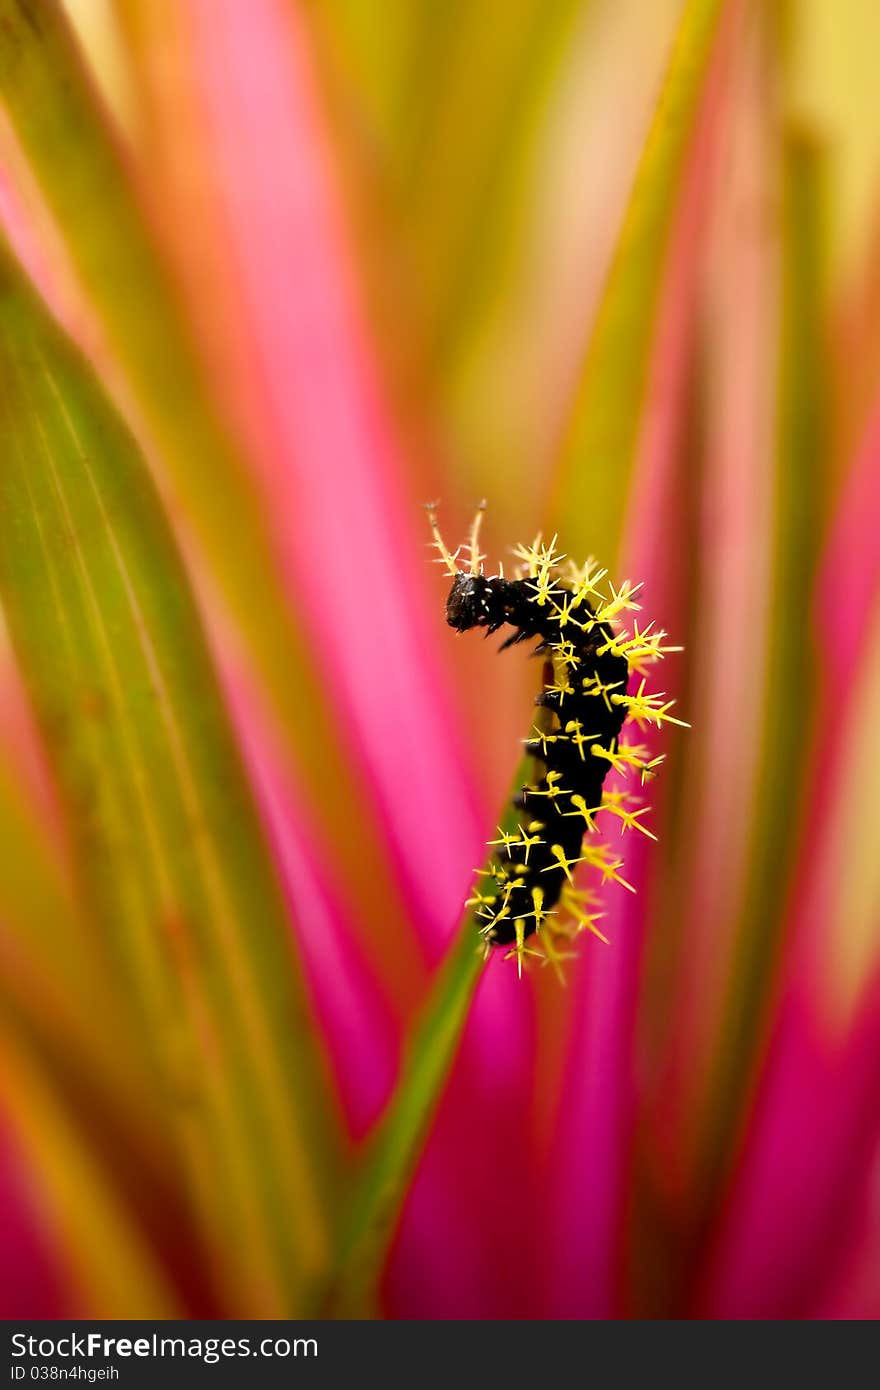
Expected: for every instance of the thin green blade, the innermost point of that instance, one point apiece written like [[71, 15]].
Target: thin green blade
[[397, 1144], [595, 468]]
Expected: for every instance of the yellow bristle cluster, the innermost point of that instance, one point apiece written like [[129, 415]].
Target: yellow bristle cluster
[[582, 600], [569, 589]]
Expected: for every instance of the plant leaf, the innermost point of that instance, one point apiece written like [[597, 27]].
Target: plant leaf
[[459, 167], [58, 1006], [789, 660], [397, 1144], [591, 489], [173, 866], [79, 168], [466, 180], [104, 1262], [396, 1148]]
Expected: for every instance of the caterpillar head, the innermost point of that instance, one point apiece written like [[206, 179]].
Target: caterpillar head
[[468, 603]]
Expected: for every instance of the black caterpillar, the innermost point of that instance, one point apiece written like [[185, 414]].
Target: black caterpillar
[[583, 705]]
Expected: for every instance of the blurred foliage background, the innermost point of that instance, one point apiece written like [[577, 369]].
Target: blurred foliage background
[[277, 273]]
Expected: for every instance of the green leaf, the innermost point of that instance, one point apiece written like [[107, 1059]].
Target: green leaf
[[396, 1147], [782, 681], [106, 1266], [37, 913], [78, 165], [59, 1006], [596, 464], [787, 667], [468, 161], [455, 96], [395, 1152], [173, 868]]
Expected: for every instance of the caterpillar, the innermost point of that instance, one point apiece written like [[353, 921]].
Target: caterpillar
[[573, 613]]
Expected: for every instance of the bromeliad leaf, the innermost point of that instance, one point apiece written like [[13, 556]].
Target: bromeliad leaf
[[173, 868]]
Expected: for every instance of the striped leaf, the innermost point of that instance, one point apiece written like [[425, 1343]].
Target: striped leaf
[[173, 869]]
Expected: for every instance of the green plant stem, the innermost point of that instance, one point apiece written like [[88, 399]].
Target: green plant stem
[[397, 1145]]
